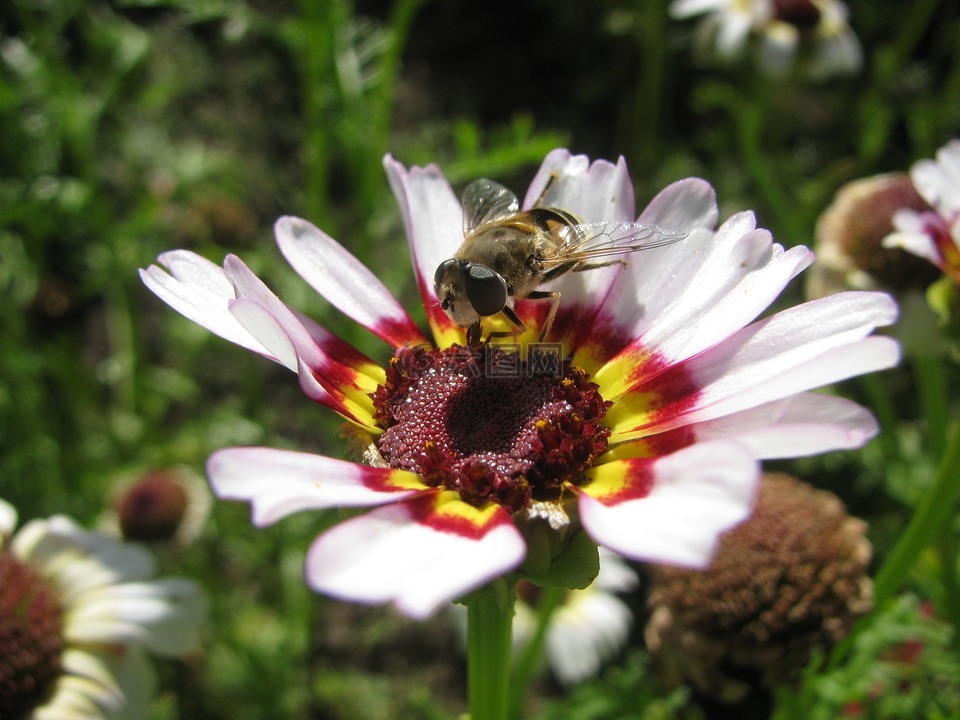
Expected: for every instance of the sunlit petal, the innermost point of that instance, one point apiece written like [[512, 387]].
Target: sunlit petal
[[669, 509], [419, 554], [345, 282], [279, 483]]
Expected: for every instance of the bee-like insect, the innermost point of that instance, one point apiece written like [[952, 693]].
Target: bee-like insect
[[507, 254]]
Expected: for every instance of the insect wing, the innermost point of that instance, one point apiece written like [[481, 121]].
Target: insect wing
[[486, 201], [606, 239]]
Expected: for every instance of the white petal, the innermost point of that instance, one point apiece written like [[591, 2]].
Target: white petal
[[717, 306], [250, 288], [615, 575], [344, 281], [594, 192], [164, 615], [915, 241], [262, 325], [696, 493], [807, 346], [433, 219], [658, 280], [87, 690], [77, 560], [200, 291], [118, 681], [585, 632], [732, 31], [683, 205], [680, 9], [8, 520], [778, 48], [937, 181], [321, 378], [857, 358], [797, 426], [279, 483], [400, 554]]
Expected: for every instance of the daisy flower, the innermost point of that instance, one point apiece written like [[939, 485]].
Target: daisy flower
[[934, 234], [784, 28], [78, 613], [637, 425]]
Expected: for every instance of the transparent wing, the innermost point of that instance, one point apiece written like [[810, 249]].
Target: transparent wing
[[486, 201], [606, 239]]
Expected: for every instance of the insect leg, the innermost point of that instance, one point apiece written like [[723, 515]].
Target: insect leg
[[557, 272], [473, 334], [554, 298], [546, 188], [512, 317], [594, 266]]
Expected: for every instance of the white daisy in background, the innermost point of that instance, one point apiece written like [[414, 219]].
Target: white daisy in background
[[645, 438], [588, 627], [78, 614], [818, 29], [934, 234]]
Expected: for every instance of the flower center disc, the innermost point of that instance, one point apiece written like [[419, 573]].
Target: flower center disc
[[489, 425], [31, 641]]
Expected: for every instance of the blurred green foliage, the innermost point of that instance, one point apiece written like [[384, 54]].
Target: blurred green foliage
[[135, 126]]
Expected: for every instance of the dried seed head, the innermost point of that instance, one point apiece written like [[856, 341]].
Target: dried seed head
[[790, 578], [849, 234]]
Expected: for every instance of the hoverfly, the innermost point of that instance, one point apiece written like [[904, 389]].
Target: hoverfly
[[507, 254]]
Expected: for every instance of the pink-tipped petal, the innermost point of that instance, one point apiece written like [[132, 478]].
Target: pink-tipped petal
[[670, 509], [266, 328], [345, 282], [594, 192], [344, 389], [690, 271], [433, 220], [279, 483], [419, 554], [200, 291], [797, 426], [713, 309], [805, 347]]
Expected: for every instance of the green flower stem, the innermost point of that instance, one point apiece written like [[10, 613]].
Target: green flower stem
[[930, 519], [489, 624], [932, 391], [878, 394], [529, 659]]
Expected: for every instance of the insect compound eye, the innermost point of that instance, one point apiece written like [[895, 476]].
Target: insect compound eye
[[486, 290], [442, 269]]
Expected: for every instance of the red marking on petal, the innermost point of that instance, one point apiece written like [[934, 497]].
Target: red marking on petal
[[599, 339], [675, 390], [635, 479], [386, 479], [456, 517], [653, 446], [936, 227], [400, 332]]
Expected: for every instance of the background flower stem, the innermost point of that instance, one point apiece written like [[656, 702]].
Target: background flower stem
[[489, 625], [933, 512], [529, 657]]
